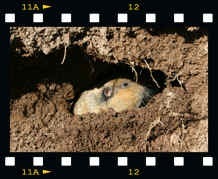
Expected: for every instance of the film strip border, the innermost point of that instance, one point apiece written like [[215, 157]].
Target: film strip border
[[66, 18], [95, 161]]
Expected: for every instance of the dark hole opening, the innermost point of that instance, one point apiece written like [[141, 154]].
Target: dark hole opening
[[80, 70]]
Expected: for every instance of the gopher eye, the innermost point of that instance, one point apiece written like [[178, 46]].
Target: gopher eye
[[125, 84]]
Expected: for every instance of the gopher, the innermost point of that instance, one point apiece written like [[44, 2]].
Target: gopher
[[118, 94]]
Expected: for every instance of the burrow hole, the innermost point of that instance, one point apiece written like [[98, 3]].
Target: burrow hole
[[79, 70]]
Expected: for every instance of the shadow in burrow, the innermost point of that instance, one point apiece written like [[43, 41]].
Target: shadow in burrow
[[79, 69]]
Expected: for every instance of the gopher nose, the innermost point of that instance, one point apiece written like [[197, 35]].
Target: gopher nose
[[107, 92]]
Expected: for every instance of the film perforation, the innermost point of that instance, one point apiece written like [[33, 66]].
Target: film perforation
[[66, 161], [38, 18], [150, 18], [94, 17], [207, 161], [122, 161], [207, 17], [10, 161], [121, 18], [178, 17], [150, 161], [94, 161], [178, 161], [37, 161], [10, 17], [66, 17]]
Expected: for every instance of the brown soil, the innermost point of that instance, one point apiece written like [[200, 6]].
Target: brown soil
[[43, 91]]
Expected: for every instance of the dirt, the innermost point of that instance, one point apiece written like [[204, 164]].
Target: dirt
[[171, 60]]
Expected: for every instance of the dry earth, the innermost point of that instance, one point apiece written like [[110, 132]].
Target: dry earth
[[43, 90]]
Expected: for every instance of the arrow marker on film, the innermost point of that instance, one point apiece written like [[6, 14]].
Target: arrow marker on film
[[46, 172], [44, 6]]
